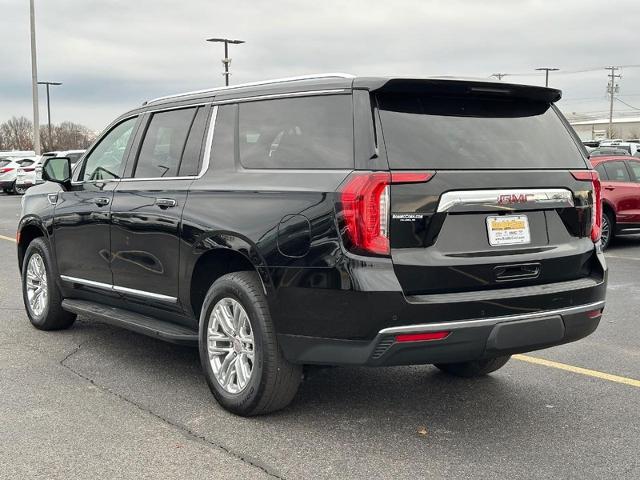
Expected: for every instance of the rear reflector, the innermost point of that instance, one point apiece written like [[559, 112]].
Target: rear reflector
[[595, 313], [422, 337], [596, 217]]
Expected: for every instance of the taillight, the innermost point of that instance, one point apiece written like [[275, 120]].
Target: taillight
[[596, 210], [29, 169], [6, 169], [365, 202]]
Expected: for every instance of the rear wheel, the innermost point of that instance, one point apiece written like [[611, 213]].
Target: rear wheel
[[19, 189], [239, 352], [42, 298], [477, 368], [606, 236]]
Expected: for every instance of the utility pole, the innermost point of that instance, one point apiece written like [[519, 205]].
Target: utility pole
[[49, 110], [499, 75], [34, 80], [226, 60], [546, 73], [612, 89]]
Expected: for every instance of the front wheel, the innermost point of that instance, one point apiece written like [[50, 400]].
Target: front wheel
[[477, 368], [42, 298], [239, 352]]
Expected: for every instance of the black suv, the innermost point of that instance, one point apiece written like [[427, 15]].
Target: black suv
[[325, 220]]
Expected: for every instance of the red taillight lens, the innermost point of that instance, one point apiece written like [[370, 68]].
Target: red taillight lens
[[365, 207], [596, 217], [5, 169], [29, 169], [422, 337]]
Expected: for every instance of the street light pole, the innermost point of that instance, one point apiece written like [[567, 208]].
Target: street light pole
[[546, 71], [34, 79], [226, 60], [49, 110]]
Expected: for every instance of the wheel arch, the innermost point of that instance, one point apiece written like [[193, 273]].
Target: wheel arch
[[28, 230], [214, 263]]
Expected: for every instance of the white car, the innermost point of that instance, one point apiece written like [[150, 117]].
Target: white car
[[33, 176], [631, 147], [26, 174], [9, 168]]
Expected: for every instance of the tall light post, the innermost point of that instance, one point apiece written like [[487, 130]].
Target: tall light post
[[226, 60], [34, 79], [49, 110], [546, 71]]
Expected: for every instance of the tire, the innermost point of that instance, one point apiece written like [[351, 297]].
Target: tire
[[11, 190], [19, 190], [38, 266], [272, 381], [477, 368], [608, 225]]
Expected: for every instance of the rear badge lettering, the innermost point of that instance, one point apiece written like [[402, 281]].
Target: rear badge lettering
[[407, 217], [510, 198]]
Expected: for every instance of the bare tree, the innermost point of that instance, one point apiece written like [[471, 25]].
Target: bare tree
[[17, 133]]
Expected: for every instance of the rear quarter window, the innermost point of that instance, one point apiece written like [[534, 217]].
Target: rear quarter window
[[447, 132], [297, 133]]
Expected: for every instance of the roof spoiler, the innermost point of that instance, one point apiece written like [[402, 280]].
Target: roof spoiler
[[444, 86]]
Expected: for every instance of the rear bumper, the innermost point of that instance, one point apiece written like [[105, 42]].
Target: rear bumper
[[467, 340]]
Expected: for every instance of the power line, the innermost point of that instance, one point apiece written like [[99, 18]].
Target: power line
[[625, 103]]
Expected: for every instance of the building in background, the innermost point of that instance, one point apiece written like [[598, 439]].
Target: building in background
[[625, 128]]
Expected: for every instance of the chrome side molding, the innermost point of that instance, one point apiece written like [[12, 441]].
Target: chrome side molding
[[505, 200], [116, 288]]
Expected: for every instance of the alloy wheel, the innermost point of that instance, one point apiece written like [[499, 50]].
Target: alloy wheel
[[605, 231], [37, 292], [230, 345]]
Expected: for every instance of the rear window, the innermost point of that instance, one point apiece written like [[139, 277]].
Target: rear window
[[297, 133], [426, 131], [4, 163]]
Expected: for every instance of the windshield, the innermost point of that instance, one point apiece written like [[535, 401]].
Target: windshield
[[442, 132]]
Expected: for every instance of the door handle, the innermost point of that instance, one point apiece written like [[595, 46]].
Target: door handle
[[102, 201], [609, 188], [166, 202]]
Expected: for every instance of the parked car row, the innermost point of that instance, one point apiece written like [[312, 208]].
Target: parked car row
[[21, 170]]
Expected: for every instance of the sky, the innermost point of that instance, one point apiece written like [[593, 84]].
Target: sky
[[111, 55]]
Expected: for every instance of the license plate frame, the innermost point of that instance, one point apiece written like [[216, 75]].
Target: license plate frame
[[511, 233]]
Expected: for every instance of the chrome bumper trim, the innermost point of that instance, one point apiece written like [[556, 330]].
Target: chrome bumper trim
[[483, 322]]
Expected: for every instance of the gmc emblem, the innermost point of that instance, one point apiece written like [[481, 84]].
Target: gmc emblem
[[510, 198]]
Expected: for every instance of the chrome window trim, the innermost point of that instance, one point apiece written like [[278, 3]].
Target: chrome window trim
[[474, 200], [307, 93], [253, 84], [205, 159], [482, 322], [116, 288]]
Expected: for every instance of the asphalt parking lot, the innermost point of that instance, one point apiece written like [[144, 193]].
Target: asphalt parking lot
[[98, 402]]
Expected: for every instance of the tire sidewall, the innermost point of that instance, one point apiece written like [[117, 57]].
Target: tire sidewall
[[248, 398], [607, 218], [37, 246]]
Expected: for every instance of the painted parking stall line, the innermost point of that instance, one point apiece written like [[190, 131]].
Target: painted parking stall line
[[8, 239], [582, 371]]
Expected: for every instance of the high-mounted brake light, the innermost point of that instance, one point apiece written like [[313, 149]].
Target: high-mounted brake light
[[365, 207], [422, 337], [596, 217]]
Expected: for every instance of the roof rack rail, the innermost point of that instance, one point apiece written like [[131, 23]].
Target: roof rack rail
[[252, 84]]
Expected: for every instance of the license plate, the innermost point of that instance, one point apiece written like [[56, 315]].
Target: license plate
[[508, 230]]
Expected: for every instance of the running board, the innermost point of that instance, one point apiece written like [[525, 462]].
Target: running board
[[119, 317]]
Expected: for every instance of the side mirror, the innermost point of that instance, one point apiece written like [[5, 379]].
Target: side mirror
[[57, 170]]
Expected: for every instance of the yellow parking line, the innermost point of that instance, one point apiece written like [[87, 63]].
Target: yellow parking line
[[581, 371], [622, 257], [8, 239]]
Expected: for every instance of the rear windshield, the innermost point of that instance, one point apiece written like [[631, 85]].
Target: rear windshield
[[4, 162], [437, 132]]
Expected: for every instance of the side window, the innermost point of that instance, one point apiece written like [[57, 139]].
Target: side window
[[617, 172], [106, 160], [635, 168], [190, 164], [297, 133], [603, 173], [164, 143], [223, 145]]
